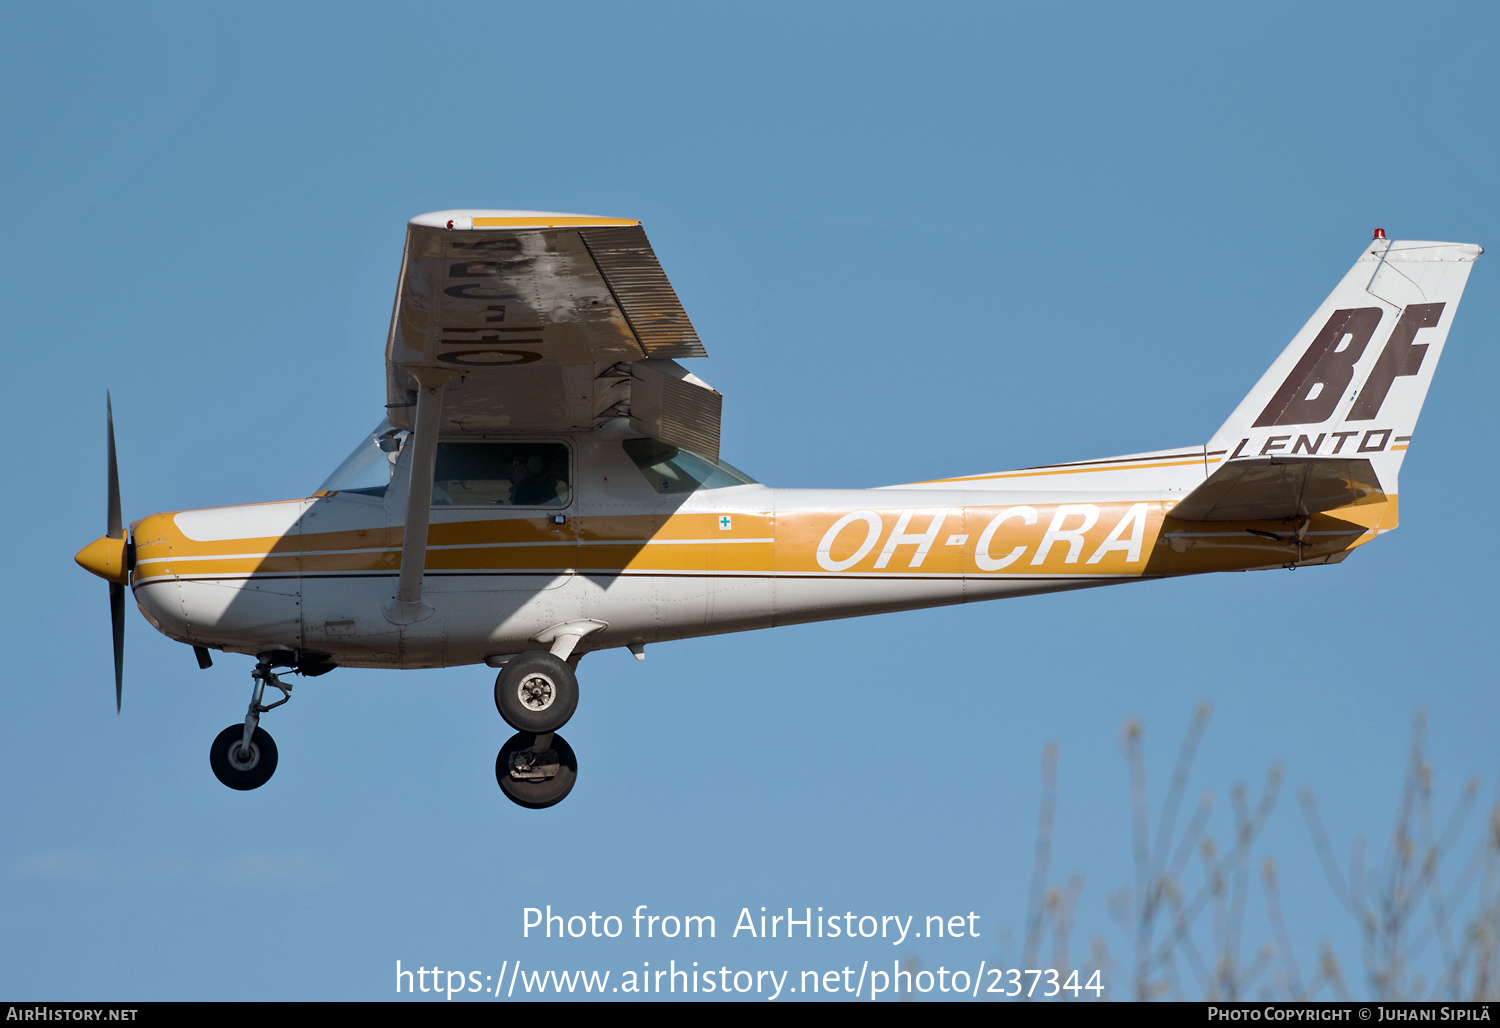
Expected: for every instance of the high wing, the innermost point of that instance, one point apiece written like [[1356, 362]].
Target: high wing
[[544, 321]]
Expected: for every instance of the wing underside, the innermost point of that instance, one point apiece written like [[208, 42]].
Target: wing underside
[[547, 322]]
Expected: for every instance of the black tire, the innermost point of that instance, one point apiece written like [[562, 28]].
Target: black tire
[[262, 764], [535, 692], [535, 793]]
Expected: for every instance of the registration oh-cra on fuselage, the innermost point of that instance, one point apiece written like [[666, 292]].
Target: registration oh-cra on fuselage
[[547, 482]]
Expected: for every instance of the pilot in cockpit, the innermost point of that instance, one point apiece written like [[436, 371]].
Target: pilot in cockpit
[[528, 486]]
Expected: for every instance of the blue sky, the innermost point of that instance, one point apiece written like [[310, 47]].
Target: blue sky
[[918, 241]]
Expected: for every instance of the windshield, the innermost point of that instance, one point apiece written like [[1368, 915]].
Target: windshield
[[367, 471], [670, 469]]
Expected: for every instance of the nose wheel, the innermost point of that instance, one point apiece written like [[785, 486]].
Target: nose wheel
[[239, 766], [536, 771], [243, 756]]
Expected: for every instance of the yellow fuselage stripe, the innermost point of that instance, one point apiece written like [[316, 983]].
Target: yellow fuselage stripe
[[1066, 471], [544, 223]]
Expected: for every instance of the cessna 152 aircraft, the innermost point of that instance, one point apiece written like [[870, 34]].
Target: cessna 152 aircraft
[[546, 481]]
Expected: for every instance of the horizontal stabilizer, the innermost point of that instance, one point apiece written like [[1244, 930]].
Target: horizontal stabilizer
[[1274, 489]]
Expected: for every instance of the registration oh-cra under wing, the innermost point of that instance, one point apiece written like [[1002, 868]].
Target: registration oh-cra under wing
[[546, 482]]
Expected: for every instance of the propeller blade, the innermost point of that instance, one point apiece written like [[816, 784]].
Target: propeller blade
[[117, 622], [116, 528]]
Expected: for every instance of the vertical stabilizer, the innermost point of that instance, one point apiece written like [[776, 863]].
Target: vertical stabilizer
[[1351, 383]]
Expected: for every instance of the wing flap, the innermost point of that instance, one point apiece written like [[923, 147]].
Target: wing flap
[[667, 403]]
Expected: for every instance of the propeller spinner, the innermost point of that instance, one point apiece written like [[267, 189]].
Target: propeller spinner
[[109, 556]]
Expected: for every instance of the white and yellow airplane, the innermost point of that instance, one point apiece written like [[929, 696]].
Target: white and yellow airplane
[[547, 482]]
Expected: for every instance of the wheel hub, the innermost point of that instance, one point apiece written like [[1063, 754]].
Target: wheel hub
[[242, 758], [536, 692]]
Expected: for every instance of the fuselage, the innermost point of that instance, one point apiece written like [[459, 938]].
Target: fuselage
[[315, 574]]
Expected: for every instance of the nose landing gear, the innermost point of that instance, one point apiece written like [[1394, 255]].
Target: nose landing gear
[[244, 756]]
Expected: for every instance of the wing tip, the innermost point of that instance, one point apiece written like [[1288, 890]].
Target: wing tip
[[469, 219]]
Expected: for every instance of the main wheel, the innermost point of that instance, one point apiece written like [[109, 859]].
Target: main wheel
[[535, 692], [532, 779], [240, 770]]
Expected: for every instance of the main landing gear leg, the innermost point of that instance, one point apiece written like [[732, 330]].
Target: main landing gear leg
[[244, 756]]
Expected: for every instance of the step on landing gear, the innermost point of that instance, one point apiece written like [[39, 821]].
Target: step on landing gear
[[244, 756]]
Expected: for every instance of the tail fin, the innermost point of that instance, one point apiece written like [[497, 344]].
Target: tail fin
[[1352, 382]]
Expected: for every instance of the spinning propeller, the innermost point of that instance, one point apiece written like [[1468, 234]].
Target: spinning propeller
[[109, 556]]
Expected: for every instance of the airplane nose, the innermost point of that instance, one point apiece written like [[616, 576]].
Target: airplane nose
[[105, 557]]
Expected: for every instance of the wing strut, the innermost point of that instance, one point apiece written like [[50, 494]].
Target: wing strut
[[408, 608]]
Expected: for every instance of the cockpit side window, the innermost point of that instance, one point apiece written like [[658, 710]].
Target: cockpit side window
[[515, 474], [671, 469], [367, 471]]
